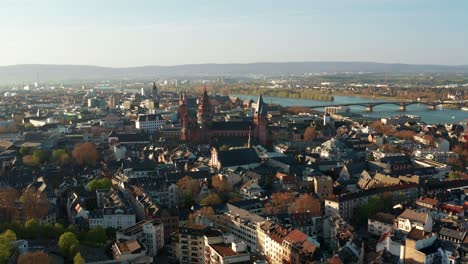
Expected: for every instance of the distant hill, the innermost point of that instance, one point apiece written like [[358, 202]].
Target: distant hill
[[28, 72]]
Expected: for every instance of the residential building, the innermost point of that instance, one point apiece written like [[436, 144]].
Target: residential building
[[150, 234], [410, 219], [150, 123], [380, 223], [188, 244], [323, 186], [242, 224]]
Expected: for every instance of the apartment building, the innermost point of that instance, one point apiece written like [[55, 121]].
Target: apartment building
[[242, 224], [150, 234], [188, 244], [345, 204]]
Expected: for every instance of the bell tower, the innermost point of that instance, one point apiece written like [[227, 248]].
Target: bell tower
[[261, 120], [183, 118], [154, 95], [204, 110]]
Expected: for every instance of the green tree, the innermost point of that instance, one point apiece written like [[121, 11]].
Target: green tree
[[454, 175], [97, 184], [60, 156], [72, 228], [5, 245], [58, 230], [40, 155], [24, 151], [96, 236], [78, 259], [373, 206], [68, 244], [32, 228]]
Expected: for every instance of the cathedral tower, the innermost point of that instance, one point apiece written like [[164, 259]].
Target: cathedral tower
[[261, 120], [204, 111]]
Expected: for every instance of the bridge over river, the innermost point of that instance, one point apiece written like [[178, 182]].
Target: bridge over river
[[402, 104]]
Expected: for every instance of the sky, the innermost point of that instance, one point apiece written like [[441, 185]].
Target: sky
[[126, 33]]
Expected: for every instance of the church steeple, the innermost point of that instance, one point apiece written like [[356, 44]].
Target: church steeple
[[261, 120], [204, 110], [261, 108], [154, 95]]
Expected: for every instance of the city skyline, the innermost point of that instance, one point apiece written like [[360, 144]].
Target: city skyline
[[129, 34]]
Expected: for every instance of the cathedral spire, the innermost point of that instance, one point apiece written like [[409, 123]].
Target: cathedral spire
[[261, 109]]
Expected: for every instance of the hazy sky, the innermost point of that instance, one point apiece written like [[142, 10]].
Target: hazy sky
[[122, 33]]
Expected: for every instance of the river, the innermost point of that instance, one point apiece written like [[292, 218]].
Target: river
[[440, 115]]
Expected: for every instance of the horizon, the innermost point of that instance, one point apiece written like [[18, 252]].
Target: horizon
[[233, 63], [124, 34]]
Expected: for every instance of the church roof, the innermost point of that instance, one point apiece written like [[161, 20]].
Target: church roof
[[261, 108], [237, 157], [231, 125]]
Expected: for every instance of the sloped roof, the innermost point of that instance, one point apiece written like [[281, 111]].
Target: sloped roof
[[414, 216], [238, 157], [384, 218]]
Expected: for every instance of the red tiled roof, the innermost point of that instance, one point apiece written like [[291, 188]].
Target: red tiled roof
[[295, 236], [452, 208], [224, 250]]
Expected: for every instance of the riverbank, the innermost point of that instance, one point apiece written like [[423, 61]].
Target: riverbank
[[285, 93]]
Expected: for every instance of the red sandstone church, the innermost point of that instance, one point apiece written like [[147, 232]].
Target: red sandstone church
[[204, 129]]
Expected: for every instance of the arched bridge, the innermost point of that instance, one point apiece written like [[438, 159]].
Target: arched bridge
[[402, 104]]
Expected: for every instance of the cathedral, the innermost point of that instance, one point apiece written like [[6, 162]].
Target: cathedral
[[203, 129]]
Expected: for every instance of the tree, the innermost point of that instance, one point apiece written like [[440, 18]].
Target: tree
[[405, 134], [206, 211], [38, 257], [186, 183], [40, 155], [211, 199], [220, 183], [60, 156], [373, 206], [96, 236], [5, 245], [29, 160], [35, 204], [32, 228], [68, 244], [8, 199], [85, 154], [379, 127], [24, 151], [454, 175], [98, 184], [306, 203], [279, 203], [309, 133], [78, 259]]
